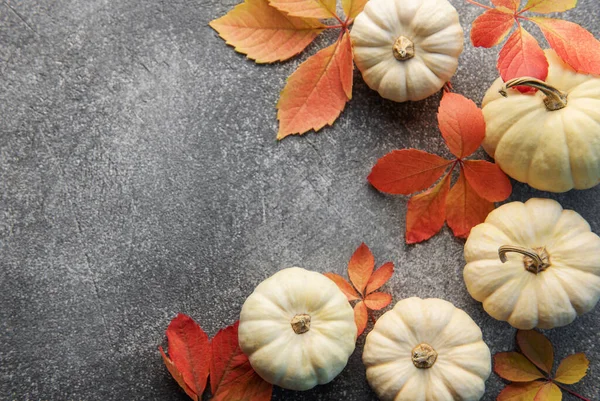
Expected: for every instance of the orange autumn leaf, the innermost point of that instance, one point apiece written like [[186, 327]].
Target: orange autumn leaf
[[343, 285], [317, 92], [548, 392], [361, 317], [264, 33], [306, 8], [522, 56], [360, 268], [520, 391], [537, 348], [426, 212], [512, 5], [377, 300], [461, 124], [491, 27], [549, 6], [487, 180], [353, 7], [380, 277], [515, 367], [572, 369], [177, 375]]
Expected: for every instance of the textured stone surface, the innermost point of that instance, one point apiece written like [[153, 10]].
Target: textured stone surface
[[140, 177]]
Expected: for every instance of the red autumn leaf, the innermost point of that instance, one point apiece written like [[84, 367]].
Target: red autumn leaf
[[461, 123], [317, 92], [520, 391], [549, 6], [515, 367], [377, 300], [402, 172], [537, 348], [572, 369], [353, 7], [512, 5], [232, 376], [464, 208], [487, 180], [380, 277], [427, 212], [306, 8], [177, 375], [189, 354], [548, 392], [264, 33], [361, 267], [522, 56], [491, 27], [361, 316], [343, 285], [575, 45]]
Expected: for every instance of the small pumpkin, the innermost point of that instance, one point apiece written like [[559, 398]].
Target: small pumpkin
[[297, 329], [533, 264], [549, 139], [426, 350], [407, 49]]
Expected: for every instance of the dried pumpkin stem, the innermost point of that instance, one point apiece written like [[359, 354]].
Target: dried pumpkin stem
[[423, 356], [535, 260], [554, 100], [403, 49], [301, 323]]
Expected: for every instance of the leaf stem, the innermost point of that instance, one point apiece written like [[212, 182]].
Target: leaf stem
[[570, 391], [479, 4], [334, 26]]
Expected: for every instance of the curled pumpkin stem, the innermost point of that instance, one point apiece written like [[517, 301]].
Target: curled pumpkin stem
[[554, 100], [534, 260]]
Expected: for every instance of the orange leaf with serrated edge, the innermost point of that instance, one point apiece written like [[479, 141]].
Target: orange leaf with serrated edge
[[264, 33], [515, 367], [353, 7], [232, 377], [487, 180], [306, 8], [361, 316], [549, 6], [491, 27], [343, 285], [464, 208], [548, 392], [426, 212], [177, 375], [461, 123], [380, 277], [317, 92], [361, 267], [406, 171], [522, 56], [512, 5], [377, 300], [537, 348], [189, 352], [520, 391], [575, 45], [572, 369]]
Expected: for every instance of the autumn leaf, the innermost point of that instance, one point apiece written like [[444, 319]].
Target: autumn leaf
[[464, 205], [522, 56], [491, 27], [520, 391], [511, 5], [537, 348], [232, 376], [264, 33], [572, 369], [306, 8], [515, 367], [365, 283], [189, 355], [548, 392], [317, 92], [353, 7], [549, 6]]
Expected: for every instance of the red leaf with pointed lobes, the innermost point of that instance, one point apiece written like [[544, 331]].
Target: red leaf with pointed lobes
[[377, 300], [461, 123], [232, 377], [343, 285], [406, 171], [177, 375], [522, 56], [520, 391], [361, 317], [317, 92], [380, 277], [575, 45], [487, 179], [512, 5], [464, 208], [537, 348], [361, 267], [306, 8], [491, 27], [549, 6], [427, 212]]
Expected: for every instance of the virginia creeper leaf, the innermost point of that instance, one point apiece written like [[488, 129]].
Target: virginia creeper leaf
[[380, 277], [406, 171], [306, 8], [343, 285], [491, 27], [550, 6], [537, 348], [572, 369], [264, 33], [464, 208], [520, 391], [522, 56], [515, 367], [231, 376], [575, 45], [317, 92], [353, 7], [512, 5], [427, 212], [461, 123], [549, 392], [377, 300], [177, 375], [361, 316], [487, 180], [189, 351], [361, 267]]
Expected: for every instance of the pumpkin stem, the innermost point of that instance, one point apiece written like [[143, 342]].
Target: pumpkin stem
[[301, 323], [535, 260], [424, 356], [554, 100], [403, 49]]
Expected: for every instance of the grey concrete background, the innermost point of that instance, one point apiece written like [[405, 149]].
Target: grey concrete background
[[140, 177]]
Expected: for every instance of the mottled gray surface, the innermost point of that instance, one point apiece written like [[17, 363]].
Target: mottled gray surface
[[140, 177]]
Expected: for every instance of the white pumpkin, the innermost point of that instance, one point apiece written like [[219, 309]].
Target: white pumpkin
[[549, 139], [297, 329], [551, 271], [426, 350], [407, 49]]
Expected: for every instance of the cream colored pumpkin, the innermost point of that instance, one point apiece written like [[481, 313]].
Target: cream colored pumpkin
[[297, 328], [426, 350], [555, 147], [407, 49], [552, 268]]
